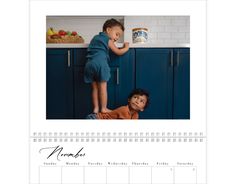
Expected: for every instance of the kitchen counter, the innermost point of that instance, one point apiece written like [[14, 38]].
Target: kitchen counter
[[138, 45]]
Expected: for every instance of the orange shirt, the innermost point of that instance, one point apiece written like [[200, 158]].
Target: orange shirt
[[119, 113]]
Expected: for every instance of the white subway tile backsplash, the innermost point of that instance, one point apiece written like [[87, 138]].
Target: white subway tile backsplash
[[153, 22], [188, 36], [159, 41], [177, 22], [160, 29], [171, 29], [152, 36], [166, 36], [184, 29], [170, 42], [182, 41], [188, 22], [164, 22], [179, 17], [178, 35]]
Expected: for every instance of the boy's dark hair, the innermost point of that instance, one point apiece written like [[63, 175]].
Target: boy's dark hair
[[111, 23], [140, 92]]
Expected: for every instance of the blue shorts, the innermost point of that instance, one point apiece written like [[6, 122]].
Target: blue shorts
[[98, 72]]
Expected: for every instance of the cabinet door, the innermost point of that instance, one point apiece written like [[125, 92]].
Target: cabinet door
[[122, 80], [82, 90], [59, 84], [154, 73], [181, 100]]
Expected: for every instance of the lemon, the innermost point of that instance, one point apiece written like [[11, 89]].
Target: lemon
[[50, 32]]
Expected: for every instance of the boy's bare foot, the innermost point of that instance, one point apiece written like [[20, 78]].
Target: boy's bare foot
[[105, 110], [95, 111]]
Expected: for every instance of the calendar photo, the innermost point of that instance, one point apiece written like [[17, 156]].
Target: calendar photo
[[151, 66], [117, 67], [162, 56]]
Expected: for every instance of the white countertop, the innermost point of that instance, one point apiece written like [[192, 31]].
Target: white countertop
[[137, 45]]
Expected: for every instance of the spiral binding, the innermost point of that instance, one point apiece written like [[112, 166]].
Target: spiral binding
[[118, 137]]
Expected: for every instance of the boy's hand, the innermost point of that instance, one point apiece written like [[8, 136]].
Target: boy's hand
[[118, 51], [126, 44]]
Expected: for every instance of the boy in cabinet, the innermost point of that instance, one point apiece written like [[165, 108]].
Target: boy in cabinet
[[137, 101]]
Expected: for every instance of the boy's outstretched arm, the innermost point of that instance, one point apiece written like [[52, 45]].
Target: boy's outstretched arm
[[118, 51]]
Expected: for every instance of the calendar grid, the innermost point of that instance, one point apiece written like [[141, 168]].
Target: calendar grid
[[41, 180], [39, 173], [128, 175], [151, 175], [106, 175], [83, 174], [173, 175], [61, 175], [196, 174]]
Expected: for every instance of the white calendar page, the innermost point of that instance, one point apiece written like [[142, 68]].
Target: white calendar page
[[120, 160], [118, 152]]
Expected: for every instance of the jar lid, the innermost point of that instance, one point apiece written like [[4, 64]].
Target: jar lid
[[136, 29]]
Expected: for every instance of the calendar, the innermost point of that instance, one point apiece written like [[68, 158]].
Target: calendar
[[143, 151]]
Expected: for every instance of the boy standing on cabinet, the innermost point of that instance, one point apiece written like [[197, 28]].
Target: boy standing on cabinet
[[97, 70]]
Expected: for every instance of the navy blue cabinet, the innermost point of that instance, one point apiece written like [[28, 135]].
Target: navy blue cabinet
[[59, 84], [82, 91], [181, 84], [165, 73], [154, 72]]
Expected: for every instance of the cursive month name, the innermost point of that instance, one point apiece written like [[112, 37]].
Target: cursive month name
[[58, 152]]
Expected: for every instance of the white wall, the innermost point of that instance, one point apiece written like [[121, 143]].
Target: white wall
[[164, 30]]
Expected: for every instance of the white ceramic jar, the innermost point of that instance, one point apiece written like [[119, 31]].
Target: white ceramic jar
[[140, 35]]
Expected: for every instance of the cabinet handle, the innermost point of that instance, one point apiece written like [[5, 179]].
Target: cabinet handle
[[178, 58], [117, 76], [171, 58], [68, 61]]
